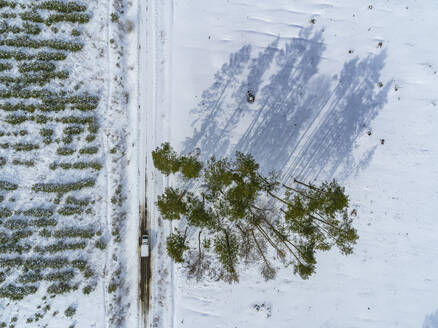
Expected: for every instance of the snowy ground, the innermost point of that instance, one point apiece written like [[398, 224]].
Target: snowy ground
[[344, 89], [324, 74], [104, 294]]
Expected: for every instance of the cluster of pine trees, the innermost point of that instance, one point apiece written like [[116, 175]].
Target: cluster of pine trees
[[235, 214]]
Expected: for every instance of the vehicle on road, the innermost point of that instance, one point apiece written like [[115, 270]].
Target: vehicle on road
[[144, 248]]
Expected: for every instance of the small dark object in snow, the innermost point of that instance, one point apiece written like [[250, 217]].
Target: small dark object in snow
[[368, 308], [370, 7], [313, 20], [250, 97], [379, 45], [350, 51], [396, 88], [382, 141], [380, 84], [369, 132]]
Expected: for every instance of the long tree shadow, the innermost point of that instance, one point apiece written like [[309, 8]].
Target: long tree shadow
[[431, 320], [303, 124]]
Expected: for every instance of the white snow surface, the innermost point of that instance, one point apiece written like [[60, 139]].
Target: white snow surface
[[315, 67]]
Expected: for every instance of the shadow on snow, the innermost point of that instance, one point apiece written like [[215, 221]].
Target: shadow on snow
[[302, 123]]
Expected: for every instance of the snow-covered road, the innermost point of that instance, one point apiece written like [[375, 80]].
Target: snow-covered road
[[154, 93]]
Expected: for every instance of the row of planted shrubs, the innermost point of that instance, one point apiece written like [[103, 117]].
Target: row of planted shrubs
[[35, 17], [42, 70]]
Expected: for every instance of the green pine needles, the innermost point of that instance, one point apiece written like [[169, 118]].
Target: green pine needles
[[235, 215]]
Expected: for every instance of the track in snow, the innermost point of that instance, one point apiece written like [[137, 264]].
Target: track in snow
[[155, 30]]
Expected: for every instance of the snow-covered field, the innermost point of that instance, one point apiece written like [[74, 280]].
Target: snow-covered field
[[344, 89]]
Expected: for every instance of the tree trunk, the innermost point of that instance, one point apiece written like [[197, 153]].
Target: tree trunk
[[260, 249], [278, 198], [307, 185]]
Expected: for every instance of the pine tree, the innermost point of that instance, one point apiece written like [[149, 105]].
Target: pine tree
[[231, 205], [176, 246], [171, 204], [166, 160]]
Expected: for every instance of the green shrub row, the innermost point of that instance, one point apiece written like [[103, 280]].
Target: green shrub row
[[46, 132], [11, 262], [75, 119], [8, 107], [45, 233], [5, 185], [44, 94], [32, 16], [8, 15], [77, 166], [15, 224], [90, 137], [26, 42], [69, 17], [74, 232], [61, 288], [5, 212], [61, 6], [5, 28], [24, 163], [31, 28], [64, 187], [60, 276], [39, 212], [44, 222], [5, 66], [14, 248], [75, 32], [36, 66], [68, 139], [38, 263], [73, 130], [16, 119], [100, 243], [65, 151], [42, 55], [89, 150], [60, 247], [11, 4], [77, 201], [30, 277], [70, 210], [41, 79], [15, 292], [14, 237], [20, 133], [93, 127], [17, 235], [25, 146]]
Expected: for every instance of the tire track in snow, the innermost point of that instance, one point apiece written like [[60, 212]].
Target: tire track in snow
[[157, 85]]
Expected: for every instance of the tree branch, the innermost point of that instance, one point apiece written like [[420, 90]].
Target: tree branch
[[307, 185], [260, 250]]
